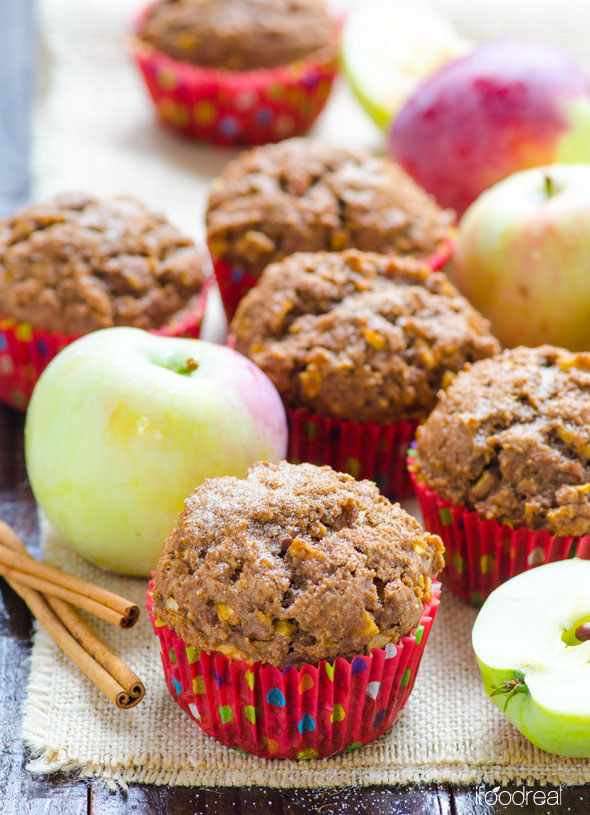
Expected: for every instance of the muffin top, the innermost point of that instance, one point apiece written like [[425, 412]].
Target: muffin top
[[359, 335], [511, 439], [241, 35], [294, 564], [76, 264], [303, 195]]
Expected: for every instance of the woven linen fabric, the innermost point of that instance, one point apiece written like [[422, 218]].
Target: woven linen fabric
[[449, 730]]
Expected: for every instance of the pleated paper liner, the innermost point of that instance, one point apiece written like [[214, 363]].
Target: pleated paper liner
[[235, 281], [297, 713], [482, 554], [25, 352], [234, 107], [363, 449]]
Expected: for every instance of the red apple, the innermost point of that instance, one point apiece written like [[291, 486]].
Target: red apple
[[507, 106]]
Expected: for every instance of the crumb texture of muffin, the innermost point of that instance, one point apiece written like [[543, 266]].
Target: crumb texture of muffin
[[510, 439], [294, 564], [359, 335], [303, 195], [76, 264], [241, 35]]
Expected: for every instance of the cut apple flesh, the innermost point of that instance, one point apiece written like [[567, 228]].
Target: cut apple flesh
[[533, 665], [388, 46]]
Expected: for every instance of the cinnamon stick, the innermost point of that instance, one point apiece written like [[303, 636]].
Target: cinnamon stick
[[76, 638], [40, 576]]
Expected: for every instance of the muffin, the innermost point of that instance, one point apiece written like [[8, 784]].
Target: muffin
[[290, 597], [306, 196], [502, 466], [237, 71], [76, 264], [358, 346]]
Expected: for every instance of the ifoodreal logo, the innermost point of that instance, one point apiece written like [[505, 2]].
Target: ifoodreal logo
[[523, 796]]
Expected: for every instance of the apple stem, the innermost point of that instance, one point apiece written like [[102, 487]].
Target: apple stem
[[510, 687], [549, 188]]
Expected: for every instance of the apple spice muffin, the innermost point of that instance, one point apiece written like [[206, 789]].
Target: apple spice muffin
[[292, 565], [240, 35], [306, 196], [358, 335], [510, 440], [76, 264]]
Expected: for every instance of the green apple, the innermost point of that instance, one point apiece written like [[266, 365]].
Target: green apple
[[532, 642], [388, 46], [124, 424], [523, 257]]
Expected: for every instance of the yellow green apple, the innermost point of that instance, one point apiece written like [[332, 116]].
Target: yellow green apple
[[532, 642], [388, 46], [123, 425], [523, 257]]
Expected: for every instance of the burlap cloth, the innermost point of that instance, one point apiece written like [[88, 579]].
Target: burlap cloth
[[449, 730]]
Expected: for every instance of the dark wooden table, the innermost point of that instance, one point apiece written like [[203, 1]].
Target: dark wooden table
[[21, 792]]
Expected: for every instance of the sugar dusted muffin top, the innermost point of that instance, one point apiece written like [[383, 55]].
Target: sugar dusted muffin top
[[302, 195], [510, 439], [359, 335], [294, 564], [241, 35], [75, 264]]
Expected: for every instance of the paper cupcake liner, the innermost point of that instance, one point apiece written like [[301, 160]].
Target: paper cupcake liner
[[234, 107], [482, 554], [235, 281], [363, 449], [297, 713], [25, 351]]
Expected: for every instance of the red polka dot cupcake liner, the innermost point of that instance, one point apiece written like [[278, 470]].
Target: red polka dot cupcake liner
[[25, 351], [362, 449], [235, 281], [235, 107], [297, 713], [481, 554]]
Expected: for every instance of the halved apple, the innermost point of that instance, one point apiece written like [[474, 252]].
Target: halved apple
[[388, 46], [532, 642]]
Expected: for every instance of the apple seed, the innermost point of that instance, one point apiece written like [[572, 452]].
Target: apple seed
[[583, 632]]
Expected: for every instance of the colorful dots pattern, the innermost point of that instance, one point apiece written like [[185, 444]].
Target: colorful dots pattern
[[250, 713], [198, 685], [446, 516], [305, 711], [307, 754], [338, 713], [359, 666], [192, 654], [275, 697], [353, 466], [306, 683], [306, 724], [226, 714], [281, 103]]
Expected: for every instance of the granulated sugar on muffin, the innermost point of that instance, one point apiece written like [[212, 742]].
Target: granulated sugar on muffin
[[294, 564]]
